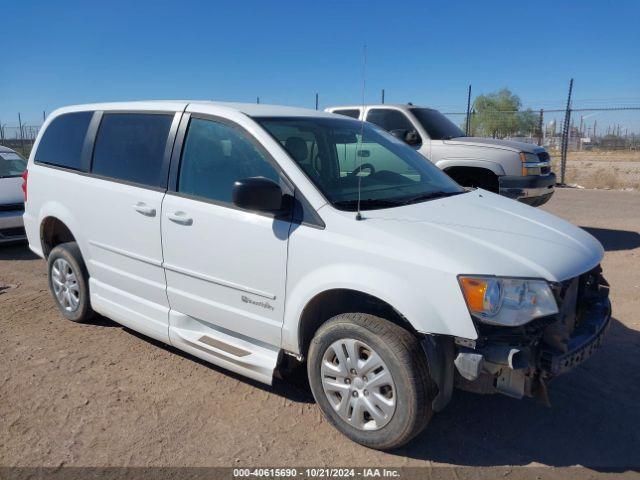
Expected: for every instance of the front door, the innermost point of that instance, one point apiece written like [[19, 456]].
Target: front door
[[225, 267]]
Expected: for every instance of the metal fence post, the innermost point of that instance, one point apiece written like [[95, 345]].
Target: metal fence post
[[21, 133], [565, 135], [541, 127], [468, 111]]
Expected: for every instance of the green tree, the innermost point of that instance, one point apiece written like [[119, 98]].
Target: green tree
[[498, 114]]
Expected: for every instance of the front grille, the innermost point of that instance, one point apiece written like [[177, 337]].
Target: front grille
[[12, 207], [544, 156]]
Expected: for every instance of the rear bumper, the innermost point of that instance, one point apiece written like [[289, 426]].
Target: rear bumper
[[11, 226], [533, 190]]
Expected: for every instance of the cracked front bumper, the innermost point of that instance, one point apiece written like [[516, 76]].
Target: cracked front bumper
[[583, 343], [520, 361]]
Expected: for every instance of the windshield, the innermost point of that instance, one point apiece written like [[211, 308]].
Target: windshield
[[11, 164], [341, 155], [437, 126]]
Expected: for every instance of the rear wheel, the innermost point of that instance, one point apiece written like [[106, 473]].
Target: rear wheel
[[371, 380], [69, 282]]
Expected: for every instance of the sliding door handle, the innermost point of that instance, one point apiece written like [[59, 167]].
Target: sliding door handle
[[180, 218], [144, 209]]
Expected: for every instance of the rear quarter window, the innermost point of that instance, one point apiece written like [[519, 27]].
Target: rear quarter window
[[61, 143], [131, 147]]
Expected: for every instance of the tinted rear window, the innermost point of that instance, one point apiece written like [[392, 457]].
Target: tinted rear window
[[62, 141], [130, 147]]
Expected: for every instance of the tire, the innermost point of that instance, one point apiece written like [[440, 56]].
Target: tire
[[401, 353], [65, 264]]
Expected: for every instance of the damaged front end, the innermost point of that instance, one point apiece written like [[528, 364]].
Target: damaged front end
[[520, 361]]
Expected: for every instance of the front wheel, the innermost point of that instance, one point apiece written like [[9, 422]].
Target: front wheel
[[371, 380]]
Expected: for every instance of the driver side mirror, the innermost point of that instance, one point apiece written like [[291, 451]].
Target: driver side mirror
[[259, 194]]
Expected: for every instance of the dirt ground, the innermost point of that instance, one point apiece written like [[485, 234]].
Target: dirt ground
[[101, 395]]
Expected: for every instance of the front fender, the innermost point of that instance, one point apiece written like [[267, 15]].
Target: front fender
[[446, 316]]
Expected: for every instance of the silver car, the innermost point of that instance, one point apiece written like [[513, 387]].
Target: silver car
[[12, 169]]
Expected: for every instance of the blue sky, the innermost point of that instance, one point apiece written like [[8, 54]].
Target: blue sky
[[64, 52]]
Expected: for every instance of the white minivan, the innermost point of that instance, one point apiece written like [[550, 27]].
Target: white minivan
[[256, 237]]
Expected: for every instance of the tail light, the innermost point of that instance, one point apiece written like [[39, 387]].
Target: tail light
[[25, 177]]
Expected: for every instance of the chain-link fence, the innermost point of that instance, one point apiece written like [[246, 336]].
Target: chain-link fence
[[589, 134], [19, 138], [605, 128], [601, 144]]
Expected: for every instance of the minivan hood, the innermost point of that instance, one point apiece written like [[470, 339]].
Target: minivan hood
[[483, 233], [495, 143]]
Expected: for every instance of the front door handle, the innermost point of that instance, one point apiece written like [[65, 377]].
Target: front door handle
[[144, 209], [180, 218]]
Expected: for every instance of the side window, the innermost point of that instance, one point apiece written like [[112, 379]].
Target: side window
[[389, 119], [61, 143], [130, 147], [214, 156], [353, 113]]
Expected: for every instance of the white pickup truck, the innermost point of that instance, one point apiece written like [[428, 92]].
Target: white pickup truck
[[514, 169]]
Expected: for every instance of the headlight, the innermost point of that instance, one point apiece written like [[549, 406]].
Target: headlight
[[531, 164], [507, 301]]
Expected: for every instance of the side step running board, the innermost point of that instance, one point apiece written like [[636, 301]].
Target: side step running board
[[240, 355]]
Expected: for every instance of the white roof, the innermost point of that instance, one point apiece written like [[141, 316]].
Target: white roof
[[4, 149], [400, 106], [250, 109]]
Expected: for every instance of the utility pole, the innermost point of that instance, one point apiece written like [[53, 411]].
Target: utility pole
[[565, 135], [382, 96], [257, 99], [468, 126], [316, 100], [44, 116]]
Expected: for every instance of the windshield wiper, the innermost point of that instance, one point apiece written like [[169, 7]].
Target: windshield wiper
[[367, 204], [428, 196]]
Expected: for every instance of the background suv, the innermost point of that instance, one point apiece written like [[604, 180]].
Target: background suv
[[514, 169]]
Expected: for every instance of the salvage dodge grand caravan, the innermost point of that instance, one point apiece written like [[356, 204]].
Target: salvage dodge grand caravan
[[256, 237]]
